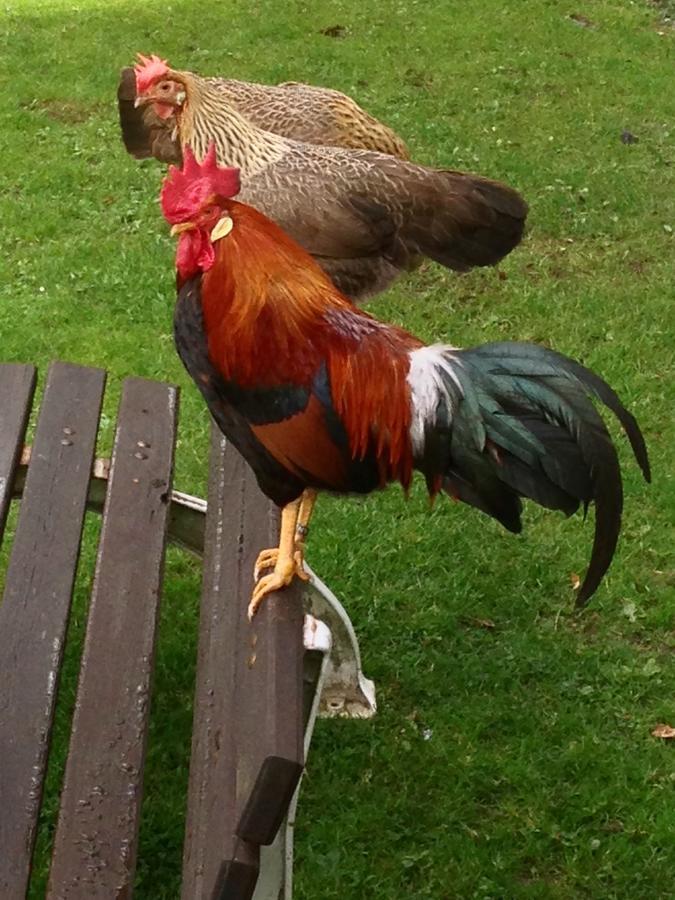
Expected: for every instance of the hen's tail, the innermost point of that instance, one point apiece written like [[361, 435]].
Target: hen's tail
[[144, 134], [520, 423], [462, 220]]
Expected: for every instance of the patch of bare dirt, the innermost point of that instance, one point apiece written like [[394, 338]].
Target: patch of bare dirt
[[581, 20], [334, 31], [67, 112]]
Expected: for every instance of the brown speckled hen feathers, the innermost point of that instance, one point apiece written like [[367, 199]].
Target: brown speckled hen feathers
[[365, 216], [316, 115]]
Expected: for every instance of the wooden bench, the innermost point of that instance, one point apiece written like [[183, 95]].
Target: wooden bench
[[258, 688]]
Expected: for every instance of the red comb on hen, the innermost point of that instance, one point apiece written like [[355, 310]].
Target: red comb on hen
[[148, 69], [185, 190]]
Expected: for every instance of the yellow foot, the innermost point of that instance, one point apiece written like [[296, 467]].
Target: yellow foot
[[285, 570], [286, 559], [267, 559]]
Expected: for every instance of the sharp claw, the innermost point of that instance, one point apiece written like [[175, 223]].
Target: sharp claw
[[300, 566], [265, 586], [275, 581], [252, 610], [254, 603]]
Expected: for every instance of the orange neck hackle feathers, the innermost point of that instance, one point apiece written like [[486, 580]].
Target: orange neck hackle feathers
[[265, 300], [273, 317]]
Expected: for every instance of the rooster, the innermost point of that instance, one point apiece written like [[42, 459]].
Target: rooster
[[365, 217], [318, 395], [303, 112]]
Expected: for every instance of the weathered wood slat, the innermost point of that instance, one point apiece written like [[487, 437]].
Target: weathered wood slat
[[186, 516], [96, 839], [248, 697], [17, 384], [36, 604], [238, 876]]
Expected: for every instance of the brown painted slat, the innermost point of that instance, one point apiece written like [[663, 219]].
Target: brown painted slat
[[96, 838], [17, 384], [238, 876], [36, 604], [248, 696]]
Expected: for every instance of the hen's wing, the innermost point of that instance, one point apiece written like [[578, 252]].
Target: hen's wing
[[298, 111], [358, 205], [311, 114]]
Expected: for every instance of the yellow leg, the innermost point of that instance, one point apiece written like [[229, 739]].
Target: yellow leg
[[307, 502], [282, 557], [267, 558]]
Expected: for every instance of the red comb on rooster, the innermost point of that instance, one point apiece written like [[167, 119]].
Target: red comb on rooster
[[187, 188], [319, 396]]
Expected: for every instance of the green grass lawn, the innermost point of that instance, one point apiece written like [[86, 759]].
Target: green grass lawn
[[507, 762]]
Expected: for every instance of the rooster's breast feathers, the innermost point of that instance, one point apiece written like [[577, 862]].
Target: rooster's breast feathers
[[329, 410]]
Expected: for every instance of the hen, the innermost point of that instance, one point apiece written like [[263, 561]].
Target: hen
[[319, 396], [365, 217], [303, 112]]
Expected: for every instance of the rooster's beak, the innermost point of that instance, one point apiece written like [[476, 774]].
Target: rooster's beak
[[140, 101], [181, 227]]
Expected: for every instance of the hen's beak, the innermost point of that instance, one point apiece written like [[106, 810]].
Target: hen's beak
[[181, 227], [144, 99]]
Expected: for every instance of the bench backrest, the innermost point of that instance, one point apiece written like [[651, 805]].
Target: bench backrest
[[247, 736]]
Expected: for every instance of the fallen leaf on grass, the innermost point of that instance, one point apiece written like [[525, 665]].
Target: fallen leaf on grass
[[480, 623], [667, 732], [575, 581]]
